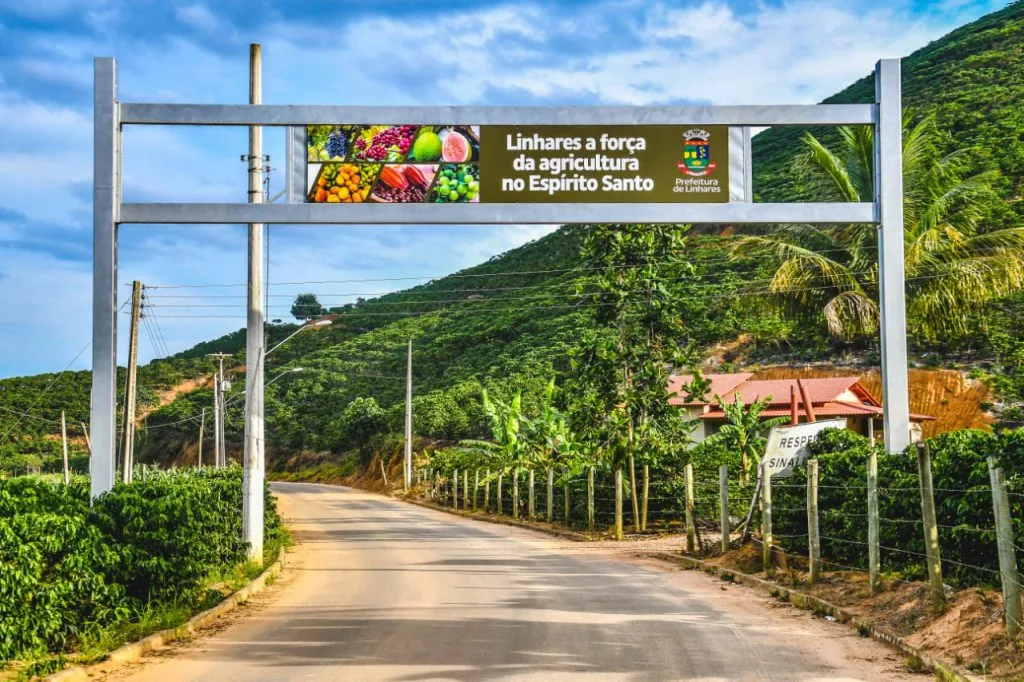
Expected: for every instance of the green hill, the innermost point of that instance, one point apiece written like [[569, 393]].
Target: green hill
[[508, 323]]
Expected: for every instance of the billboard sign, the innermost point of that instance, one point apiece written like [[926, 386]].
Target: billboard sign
[[517, 164]]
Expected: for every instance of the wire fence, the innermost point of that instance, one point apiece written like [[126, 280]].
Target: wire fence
[[964, 530]]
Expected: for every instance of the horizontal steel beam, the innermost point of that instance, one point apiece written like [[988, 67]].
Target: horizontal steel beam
[[495, 214], [286, 115]]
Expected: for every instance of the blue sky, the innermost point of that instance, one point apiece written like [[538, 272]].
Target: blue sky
[[400, 52]]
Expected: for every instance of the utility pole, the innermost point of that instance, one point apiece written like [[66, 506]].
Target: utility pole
[[220, 457], [252, 466], [64, 443], [128, 429], [408, 419], [202, 424]]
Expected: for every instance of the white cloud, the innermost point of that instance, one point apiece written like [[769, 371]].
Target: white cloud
[[198, 16]]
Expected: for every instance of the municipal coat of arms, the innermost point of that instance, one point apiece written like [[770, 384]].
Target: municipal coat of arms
[[696, 153]]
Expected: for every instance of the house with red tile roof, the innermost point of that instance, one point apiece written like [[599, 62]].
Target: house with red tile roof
[[830, 398]]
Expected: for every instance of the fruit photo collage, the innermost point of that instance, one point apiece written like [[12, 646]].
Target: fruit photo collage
[[393, 164]]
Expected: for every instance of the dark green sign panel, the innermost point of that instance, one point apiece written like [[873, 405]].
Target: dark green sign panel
[[604, 164]]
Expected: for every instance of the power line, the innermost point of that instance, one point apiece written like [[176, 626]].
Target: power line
[[510, 273], [757, 291]]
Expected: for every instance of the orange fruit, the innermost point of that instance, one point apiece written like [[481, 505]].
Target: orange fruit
[[343, 193]]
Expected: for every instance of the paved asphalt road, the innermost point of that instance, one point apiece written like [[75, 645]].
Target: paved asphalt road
[[380, 589]]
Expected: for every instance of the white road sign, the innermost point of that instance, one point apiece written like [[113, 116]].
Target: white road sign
[[787, 445]]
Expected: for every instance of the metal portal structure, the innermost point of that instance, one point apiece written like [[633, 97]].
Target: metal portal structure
[[111, 115]]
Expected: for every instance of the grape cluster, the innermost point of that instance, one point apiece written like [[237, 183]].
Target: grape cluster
[[394, 141], [337, 144]]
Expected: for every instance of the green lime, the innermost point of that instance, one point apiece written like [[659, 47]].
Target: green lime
[[453, 195], [463, 189]]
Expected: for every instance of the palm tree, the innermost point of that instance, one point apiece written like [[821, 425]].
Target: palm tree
[[745, 431], [952, 263]]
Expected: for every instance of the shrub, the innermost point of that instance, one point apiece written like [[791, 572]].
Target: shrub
[[66, 567]]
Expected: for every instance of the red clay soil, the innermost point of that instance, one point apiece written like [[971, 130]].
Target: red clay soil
[[969, 632]]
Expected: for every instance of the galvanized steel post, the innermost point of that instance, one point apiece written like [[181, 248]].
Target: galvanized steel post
[[106, 203], [891, 280]]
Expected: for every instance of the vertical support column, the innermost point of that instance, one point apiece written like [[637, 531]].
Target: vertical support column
[[551, 495], [748, 165], [891, 280], [455, 489], [645, 498], [813, 537], [723, 509], [515, 493], [531, 509], [498, 491], [766, 518], [130, 391], [64, 444], [874, 561], [618, 504], [487, 491], [252, 471], [691, 528], [1007, 554], [590, 499], [568, 501], [931, 528], [476, 487], [408, 420], [465, 489], [106, 207]]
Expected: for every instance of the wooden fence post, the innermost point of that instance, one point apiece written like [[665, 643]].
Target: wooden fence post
[[476, 487], [647, 487], [590, 499], [515, 494], [874, 560], [931, 528], [813, 537], [551, 493], [568, 502], [455, 490], [618, 504], [1007, 554], [487, 491], [766, 518], [691, 529], [465, 488], [530, 508], [500, 510], [723, 509]]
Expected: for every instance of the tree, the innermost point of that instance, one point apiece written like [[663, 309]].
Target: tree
[[644, 294], [361, 420], [745, 431], [952, 262], [306, 307]]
